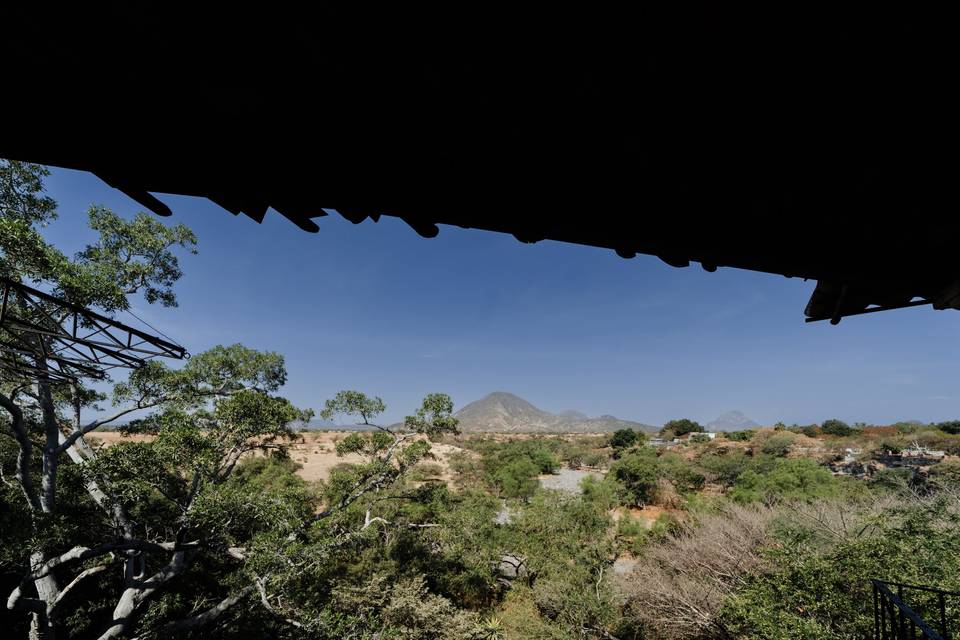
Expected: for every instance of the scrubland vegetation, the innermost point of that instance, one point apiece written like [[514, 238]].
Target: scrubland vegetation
[[200, 526]]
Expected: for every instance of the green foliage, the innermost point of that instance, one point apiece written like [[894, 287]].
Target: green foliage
[[723, 466], [511, 468], [777, 444], [680, 472], [355, 404], [517, 478], [135, 255], [788, 479], [816, 587], [836, 427], [128, 257], [434, 417], [636, 477], [681, 427], [810, 430], [946, 476], [624, 438], [951, 427], [599, 492], [893, 479], [742, 436]]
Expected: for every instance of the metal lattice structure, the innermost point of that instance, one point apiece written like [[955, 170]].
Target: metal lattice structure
[[43, 336]]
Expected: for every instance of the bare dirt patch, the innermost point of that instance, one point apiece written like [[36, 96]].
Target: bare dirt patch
[[647, 515]]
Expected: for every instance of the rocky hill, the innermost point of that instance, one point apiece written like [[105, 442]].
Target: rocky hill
[[731, 421], [506, 413]]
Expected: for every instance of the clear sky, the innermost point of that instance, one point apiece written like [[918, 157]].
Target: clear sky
[[377, 308]]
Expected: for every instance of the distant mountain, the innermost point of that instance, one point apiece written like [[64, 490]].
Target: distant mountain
[[731, 421], [506, 413], [328, 425]]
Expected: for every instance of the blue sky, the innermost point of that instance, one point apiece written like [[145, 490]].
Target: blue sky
[[377, 308]]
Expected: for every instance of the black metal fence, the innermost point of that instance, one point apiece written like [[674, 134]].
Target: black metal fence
[[928, 615]]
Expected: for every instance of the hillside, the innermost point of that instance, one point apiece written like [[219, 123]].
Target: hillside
[[731, 421], [506, 413]]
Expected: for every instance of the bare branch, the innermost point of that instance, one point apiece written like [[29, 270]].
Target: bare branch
[[86, 573], [260, 582]]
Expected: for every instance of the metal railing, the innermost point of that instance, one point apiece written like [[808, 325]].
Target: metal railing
[[894, 619]]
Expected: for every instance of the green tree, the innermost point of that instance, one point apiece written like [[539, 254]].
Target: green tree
[[681, 427], [624, 438], [836, 427], [951, 427], [788, 479], [129, 258], [636, 477]]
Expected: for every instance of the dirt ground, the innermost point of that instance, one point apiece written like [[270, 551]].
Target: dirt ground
[[647, 515]]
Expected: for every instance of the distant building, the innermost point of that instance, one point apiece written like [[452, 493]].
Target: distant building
[[710, 434], [660, 442]]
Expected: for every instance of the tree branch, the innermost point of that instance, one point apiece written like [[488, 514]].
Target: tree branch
[[259, 582], [26, 451], [86, 573], [205, 617], [134, 597]]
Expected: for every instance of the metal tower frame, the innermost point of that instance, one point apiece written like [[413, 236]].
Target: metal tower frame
[[64, 341]]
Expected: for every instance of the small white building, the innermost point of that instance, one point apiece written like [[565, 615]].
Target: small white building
[[710, 434]]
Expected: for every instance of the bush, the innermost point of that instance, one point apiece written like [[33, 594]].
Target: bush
[[952, 427], [836, 427], [636, 477], [598, 492], [799, 479], [681, 583], [945, 475], [777, 445], [594, 459], [624, 438], [518, 479], [811, 431], [724, 467], [680, 473], [741, 436], [815, 584]]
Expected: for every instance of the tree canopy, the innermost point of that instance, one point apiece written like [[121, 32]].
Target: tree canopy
[[681, 427]]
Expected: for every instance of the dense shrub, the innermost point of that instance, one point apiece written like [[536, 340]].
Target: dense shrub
[[681, 427], [636, 477], [952, 427], [787, 480], [810, 430], [777, 444], [624, 438], [724, 467], [816, 582], [836, 427]]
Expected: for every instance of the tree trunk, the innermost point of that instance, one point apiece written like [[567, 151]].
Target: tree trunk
[[47, 590], [48, 482]]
